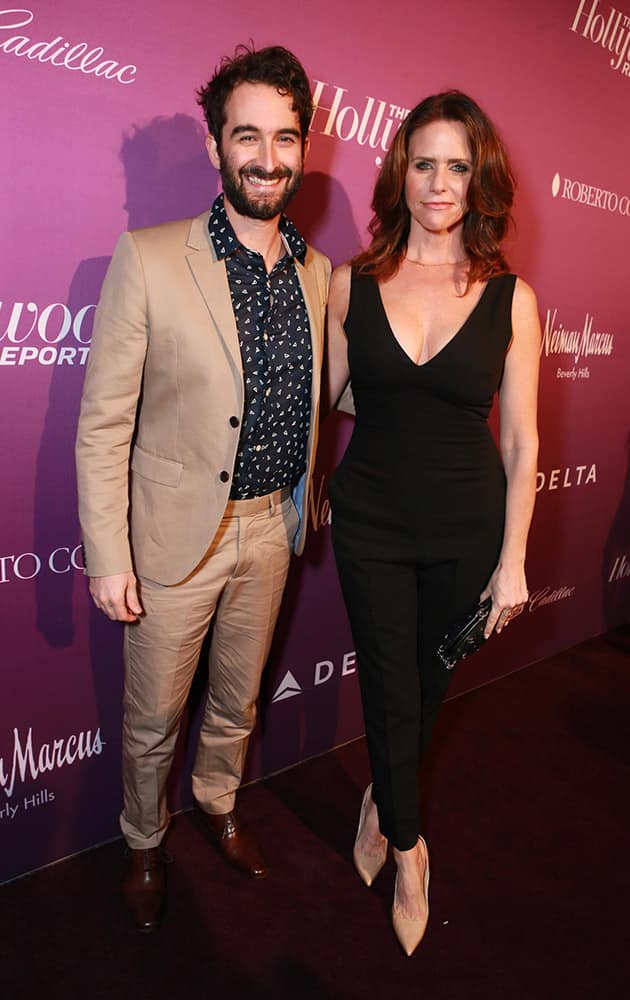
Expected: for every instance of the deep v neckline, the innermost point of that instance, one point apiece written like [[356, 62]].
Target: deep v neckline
[[454, 337]]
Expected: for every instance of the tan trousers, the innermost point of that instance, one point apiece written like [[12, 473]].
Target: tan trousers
[[240, 582]]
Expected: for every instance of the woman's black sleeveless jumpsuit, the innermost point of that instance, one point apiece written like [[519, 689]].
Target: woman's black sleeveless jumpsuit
[[418, 508]]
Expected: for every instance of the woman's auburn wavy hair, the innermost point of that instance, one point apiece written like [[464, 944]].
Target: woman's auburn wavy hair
[[490, 192]]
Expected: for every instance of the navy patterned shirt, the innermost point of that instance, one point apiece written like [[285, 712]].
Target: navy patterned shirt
[[275, 341]]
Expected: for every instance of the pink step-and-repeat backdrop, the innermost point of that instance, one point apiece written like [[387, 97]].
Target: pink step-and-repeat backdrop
[[100, 133]]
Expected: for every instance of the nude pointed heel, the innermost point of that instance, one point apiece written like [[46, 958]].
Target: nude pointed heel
[[411, 931], [367, 865]]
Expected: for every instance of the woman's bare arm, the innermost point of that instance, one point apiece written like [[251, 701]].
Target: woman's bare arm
[[519, 449]]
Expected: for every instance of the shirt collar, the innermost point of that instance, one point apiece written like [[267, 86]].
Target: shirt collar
[[225, 241]]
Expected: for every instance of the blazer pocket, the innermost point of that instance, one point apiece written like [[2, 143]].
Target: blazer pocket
[[159, 470]]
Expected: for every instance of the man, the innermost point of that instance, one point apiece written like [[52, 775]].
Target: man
[[195, 450]]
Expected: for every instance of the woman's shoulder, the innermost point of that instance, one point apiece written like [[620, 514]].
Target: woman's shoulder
[[341, 274], [345, 278], [525, 316], [339, 291], [341, 279], [524, 294], [348, 287]]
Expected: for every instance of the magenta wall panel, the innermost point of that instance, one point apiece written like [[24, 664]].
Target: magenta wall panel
[[101, 132]]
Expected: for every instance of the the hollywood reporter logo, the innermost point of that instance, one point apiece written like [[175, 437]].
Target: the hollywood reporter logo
[[620, 569], [610, 30], [28, 565], [372, 123], [51, 335]]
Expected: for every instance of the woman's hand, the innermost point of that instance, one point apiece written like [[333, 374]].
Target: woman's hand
[[508, 589]]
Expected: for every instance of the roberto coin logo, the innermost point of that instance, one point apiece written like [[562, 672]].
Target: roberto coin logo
[[590, 195]]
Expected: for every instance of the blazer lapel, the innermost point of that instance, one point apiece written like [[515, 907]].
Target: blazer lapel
[[210, 277]]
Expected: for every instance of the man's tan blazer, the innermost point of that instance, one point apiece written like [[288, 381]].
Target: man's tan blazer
[[163, 402]]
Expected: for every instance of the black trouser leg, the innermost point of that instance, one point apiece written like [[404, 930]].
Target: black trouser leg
[[382, 602], [399, 613]]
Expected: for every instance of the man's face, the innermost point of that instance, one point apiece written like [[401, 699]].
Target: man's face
[[261, 159]]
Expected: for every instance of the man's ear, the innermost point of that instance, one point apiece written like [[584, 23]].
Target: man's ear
[[213, 152], [307, 145]]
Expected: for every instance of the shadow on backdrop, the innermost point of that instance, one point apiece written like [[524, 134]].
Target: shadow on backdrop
[[168, 175], [322, 212]]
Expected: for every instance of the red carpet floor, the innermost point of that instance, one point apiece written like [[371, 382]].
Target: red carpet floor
[[527, 825]]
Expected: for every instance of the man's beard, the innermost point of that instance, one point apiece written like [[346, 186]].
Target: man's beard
[[258, 206]]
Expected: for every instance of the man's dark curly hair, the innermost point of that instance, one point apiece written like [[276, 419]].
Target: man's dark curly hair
[[275, 66]]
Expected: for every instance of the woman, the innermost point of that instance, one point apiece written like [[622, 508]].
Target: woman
[[427, 520]]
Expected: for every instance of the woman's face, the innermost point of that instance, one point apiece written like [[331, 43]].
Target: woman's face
[[438, 175]]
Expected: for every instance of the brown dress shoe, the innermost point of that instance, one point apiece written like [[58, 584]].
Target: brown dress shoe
[[236, 842], [143, 887]]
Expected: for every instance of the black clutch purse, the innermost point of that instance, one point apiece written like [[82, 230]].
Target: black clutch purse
[[466, 636]]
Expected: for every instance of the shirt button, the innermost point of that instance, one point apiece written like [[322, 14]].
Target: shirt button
[[224, 476], [234, 421]]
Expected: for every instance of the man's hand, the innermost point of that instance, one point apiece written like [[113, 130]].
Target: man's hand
[[117, 596]]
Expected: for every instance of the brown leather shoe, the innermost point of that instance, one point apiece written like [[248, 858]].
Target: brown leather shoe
[[143, 887], [236, 842]]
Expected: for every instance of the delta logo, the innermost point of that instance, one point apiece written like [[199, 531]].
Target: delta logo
[[323, 671]]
